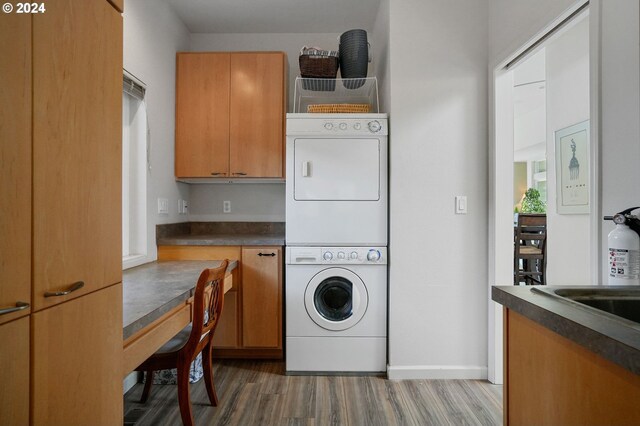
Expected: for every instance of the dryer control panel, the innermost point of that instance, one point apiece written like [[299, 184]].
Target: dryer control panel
[[336, 255]]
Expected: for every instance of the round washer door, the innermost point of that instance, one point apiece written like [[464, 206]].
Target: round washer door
[[336, 299]]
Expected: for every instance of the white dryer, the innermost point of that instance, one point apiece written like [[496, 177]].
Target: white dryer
[[336, 310], [336, 188]]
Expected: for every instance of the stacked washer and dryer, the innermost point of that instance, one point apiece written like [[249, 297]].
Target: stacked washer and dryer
[[336, 236]]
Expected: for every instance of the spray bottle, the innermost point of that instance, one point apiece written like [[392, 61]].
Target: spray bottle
[[624, 249]]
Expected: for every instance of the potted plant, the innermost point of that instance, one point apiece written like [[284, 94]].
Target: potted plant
[[532, 202]]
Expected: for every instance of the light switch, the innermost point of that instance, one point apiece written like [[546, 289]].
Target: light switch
[[461, 204], [226, 207], [163, 206]]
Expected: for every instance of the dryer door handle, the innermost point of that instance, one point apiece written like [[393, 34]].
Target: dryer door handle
[[306, 168]]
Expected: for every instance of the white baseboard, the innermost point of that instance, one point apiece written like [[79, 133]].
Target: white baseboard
[[405, 372], [129, 381]]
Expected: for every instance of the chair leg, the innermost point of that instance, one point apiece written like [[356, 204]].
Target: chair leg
[[208, 374], [147, 386], [184, 398]]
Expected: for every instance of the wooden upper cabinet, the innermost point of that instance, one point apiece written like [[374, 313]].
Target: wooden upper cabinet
[[230, 114], [77, 149], [262, 297], [257, 110], [15, 164], [202, 115]]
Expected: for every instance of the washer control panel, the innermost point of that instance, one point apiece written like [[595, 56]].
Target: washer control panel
[[336, 255], [337, 125]]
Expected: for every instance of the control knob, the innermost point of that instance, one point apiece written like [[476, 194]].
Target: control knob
[[343, 126], [373, 255], [353, 255], [327, 255], [375, 126], [328, 126], [340, 255]]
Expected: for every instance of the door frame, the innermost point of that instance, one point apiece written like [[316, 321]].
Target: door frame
[[500, 241]]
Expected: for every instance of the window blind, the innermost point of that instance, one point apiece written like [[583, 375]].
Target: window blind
[[133, 86]]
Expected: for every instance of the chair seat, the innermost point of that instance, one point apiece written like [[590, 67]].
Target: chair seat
[[177, 342], [529, 250]]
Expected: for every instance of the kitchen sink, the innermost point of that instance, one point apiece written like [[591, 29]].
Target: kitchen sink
[[623, 302]]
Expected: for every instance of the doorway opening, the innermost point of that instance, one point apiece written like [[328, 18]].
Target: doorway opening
[[539, 93]]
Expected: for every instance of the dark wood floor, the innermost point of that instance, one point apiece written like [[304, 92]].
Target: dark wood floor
[[258, 393]]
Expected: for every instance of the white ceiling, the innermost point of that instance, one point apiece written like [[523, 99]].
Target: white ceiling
[[275, 16]]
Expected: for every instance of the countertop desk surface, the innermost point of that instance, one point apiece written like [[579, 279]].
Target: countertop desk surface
[[153, 294]]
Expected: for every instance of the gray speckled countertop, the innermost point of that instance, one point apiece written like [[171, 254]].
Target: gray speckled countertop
[[223, 240], [153, 289], [221, 234], [617, 340]]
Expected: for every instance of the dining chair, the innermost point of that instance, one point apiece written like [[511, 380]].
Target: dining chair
[[530, 247], [197, 337]]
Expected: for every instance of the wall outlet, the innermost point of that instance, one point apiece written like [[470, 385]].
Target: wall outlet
[[226, 207], [182, 206], [163, 206]]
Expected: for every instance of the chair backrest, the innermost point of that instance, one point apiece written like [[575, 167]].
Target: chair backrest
[[532, 227], [207, 304]]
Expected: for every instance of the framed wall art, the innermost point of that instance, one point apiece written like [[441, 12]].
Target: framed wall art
[[572, 169]]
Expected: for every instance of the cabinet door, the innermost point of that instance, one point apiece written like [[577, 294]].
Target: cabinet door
[[257, 114], [202, 115], [261, 297], [77, 361], [15, 164], [14, 359], [77, 152]]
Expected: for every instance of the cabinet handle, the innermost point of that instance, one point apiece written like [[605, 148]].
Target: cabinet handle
[[266, 254], [75, 286], [239, 173], [217, 173], [19, 306]]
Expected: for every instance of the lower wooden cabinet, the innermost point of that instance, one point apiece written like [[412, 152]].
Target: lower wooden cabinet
[[251, 322], [14, 359], [77, 361], [261, 297]]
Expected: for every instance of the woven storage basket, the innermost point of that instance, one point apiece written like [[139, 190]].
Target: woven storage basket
[[338, 108], [318, 66]]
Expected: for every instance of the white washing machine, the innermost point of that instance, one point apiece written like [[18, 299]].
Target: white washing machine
[[336, 309], [336, 188]]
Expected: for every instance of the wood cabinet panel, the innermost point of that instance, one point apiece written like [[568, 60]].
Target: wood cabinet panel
[[202, 115], [77, 154], [77, 361], [226, 334], [14, 359], [199, 252], [256, 114], [551, 380], [261, 297], [15, 166]]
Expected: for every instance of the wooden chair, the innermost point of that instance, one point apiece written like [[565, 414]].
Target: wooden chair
[[197, 337], [530, 244]]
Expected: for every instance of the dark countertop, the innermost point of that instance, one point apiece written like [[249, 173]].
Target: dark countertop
[[617, 340], [221, 234], [153, 289], [223, 240]]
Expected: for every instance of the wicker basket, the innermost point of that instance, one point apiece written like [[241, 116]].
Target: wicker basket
[[318, 66], [338, 108]]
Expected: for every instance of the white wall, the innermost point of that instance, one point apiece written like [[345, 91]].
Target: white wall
[[438, 149], [567, 75], [152, 35], [249, 202], [620, 111], [380, 67]]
